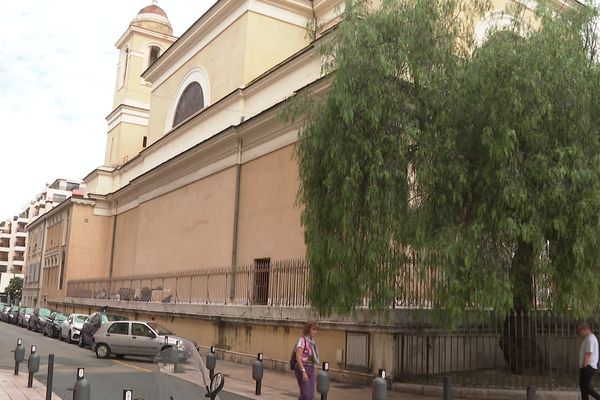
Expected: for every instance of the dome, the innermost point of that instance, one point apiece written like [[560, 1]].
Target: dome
[[154, 18]]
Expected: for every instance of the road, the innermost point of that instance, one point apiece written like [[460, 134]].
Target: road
[[108, 378]]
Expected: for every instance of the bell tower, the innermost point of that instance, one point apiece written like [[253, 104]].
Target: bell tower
[[149, 34]]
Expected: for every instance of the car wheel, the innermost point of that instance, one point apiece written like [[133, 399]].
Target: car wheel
[[81, 344], [44, 332], [102, 351]]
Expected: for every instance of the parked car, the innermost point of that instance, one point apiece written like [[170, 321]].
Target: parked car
[[4, 313], [135, 338], [71, 327], [53, 324], [38, 319], [24, 315], [93, 323], [13, 315]]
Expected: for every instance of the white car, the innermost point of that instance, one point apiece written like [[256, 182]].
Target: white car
[[71, 327]]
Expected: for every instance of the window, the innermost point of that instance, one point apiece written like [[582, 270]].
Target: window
[[141, 330], [57, 198], [119, 329], [125, 63], [144, 141], [72, 186], [262, 267], [62, 272], [154, 54], [191, 101]]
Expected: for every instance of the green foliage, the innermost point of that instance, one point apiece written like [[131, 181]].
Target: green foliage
[[15, 287], [483, 161]]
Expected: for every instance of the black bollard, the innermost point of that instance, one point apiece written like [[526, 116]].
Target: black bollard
[[127, 394], [33, 365], [19, 355], [257, 372], [531, 395], [50, 377], [82, 389], [323, 381], [447, 388], [211, 362], [380, 386]]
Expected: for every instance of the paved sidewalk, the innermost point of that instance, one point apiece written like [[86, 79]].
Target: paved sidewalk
[[277, 385], [15, 387]]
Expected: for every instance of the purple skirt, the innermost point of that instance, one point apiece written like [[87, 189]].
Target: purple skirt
[[307, 388]]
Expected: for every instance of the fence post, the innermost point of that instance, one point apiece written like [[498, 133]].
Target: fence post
[[531, 395], [447, 388]]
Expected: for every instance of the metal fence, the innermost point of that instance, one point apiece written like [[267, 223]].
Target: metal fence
[[281, 283], [494, 351]]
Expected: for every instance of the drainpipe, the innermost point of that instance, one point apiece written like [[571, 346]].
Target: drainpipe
[[236, 212], [315, 29], [112, 248]]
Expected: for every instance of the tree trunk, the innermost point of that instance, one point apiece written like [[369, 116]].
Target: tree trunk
[[518, 342]]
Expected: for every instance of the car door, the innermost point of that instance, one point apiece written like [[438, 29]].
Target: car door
[[143, 340], [117, 337]]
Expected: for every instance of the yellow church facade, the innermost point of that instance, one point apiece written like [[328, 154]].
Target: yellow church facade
[[193, 214]]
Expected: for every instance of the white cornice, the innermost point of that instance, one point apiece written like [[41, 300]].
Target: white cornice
[[127, 115], [147, 32]]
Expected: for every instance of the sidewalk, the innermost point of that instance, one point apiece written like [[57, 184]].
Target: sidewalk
[[15, 387], [278, 385]]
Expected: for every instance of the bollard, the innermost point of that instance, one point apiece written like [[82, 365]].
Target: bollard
[[380, 386], [127, 394], [531, 395], [211, 361], [257, 372], [447, 388], [33, 365], [50, 377], [81, 390], [177, 368], [323, 381], [19, 355]]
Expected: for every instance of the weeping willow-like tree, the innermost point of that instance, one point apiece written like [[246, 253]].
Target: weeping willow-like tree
[[482, 158]]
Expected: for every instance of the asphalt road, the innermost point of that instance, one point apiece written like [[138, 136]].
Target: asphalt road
[[107, 378]]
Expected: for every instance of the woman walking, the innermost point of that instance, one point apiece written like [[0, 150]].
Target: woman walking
[[307, 356]]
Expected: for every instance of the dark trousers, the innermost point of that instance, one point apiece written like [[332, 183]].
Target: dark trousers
[[307, 389], [585, 383]]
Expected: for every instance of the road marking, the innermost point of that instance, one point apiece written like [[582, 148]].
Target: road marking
[[132, 366]]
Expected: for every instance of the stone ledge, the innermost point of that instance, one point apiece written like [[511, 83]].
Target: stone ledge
[[482, 393], [286, 316]]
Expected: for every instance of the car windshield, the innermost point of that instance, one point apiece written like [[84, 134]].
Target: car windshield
[[161, 330], [28, 310], [44, 312], [15, 308], [80, 318], [59, 318], [112, 317]]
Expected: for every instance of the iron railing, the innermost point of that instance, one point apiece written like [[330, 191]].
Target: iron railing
[[494, 351], [281, 283]]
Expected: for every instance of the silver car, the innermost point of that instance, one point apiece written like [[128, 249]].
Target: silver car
[[71, 327], [135, 338]]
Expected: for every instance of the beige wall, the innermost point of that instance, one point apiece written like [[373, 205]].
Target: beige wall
[[90, 237], [125, 240], [269, 220], [270, 41], [186, 229]]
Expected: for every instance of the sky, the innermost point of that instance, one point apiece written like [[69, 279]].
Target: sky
[[57, 76]]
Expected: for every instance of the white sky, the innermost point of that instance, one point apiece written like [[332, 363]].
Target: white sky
[[50, 51]]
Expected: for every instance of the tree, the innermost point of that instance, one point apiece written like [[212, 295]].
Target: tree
[[15, 288], [484, 161]]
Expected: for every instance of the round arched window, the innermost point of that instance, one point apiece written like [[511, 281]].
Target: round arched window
[[191, 101]]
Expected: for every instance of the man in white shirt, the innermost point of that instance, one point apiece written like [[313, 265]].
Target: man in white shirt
[[588, 361]]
